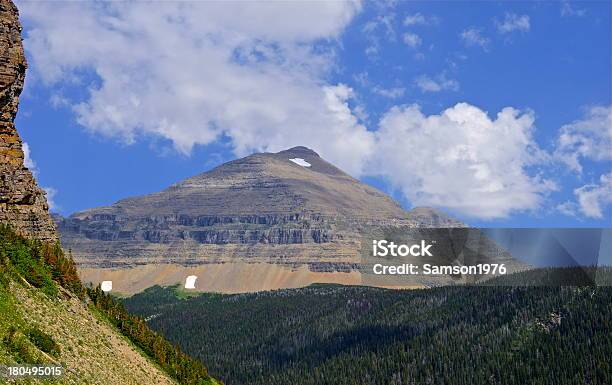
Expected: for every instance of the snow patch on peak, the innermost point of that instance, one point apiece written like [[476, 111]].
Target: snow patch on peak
[[300, 162]]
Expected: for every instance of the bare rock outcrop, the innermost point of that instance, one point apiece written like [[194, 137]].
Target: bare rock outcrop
[[23, 205]]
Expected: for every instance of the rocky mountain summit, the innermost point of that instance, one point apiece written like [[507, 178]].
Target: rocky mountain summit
[[290, 209], [23, 204]]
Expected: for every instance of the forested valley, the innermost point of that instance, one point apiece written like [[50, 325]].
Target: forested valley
[[329, 334]]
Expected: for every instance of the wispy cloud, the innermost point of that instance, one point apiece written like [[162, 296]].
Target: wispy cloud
[[58, 100], [420, 19], [594, 198], [474, 37], [586, 138], [362, 78], [568, 10], [412, 39], [568, 208], [371, 31], [513, 22], [391, 93], [589, 138], [437, 83]]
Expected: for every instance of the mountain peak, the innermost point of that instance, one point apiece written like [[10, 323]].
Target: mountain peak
[[292, 181], [298, 151]]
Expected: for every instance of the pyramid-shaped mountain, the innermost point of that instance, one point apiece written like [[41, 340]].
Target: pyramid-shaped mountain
[[290, 208], [292, 182]]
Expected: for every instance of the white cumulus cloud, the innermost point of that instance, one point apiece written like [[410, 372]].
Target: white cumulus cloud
[[462, 160], [193, 72]]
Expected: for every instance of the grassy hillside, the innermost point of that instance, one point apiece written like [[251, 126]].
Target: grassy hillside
[[48, 317], [358, 335]]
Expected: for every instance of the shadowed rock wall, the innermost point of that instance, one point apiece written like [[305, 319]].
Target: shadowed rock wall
[[23, 204]]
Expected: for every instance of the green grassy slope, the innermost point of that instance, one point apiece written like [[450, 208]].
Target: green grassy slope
[[48, 317]]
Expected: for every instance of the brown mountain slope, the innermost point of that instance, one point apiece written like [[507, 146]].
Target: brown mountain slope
[[261, 185], [265, 221]]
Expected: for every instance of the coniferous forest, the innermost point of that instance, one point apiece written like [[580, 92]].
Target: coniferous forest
[[327, 334]]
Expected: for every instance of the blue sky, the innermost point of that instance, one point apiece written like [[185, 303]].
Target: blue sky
[[496, 112]]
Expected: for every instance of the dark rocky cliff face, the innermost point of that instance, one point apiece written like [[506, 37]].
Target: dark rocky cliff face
[[272, 229], [23, 205]]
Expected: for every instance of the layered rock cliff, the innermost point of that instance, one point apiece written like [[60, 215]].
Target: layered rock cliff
[[23, 204]]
